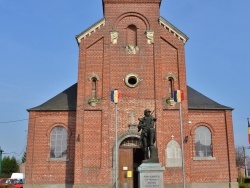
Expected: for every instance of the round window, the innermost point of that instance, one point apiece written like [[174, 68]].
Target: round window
[[132, 80]]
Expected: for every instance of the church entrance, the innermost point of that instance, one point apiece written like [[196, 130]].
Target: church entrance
[[130, 157]]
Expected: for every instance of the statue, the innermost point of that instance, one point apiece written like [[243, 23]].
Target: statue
[[148, 136]]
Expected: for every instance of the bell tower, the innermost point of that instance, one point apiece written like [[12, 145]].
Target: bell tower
[[112, 8], [134, 50]]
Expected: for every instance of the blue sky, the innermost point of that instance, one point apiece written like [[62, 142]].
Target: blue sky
[[39, 55]]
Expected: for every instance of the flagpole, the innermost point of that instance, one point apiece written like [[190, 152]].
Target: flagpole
[[115, 96], [179, 97], [182, 149], [116, 149]]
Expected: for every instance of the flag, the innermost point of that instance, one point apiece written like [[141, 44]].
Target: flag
[[248, 130], [115, 96], [178, 96]]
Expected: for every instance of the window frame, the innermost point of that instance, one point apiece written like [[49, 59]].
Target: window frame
[[62, 141], [171, 87], [94, 88], [195, 156]]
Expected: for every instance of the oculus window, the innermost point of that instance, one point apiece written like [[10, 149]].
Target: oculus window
[[132, 80]]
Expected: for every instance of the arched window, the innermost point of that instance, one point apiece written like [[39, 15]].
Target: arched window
[[58, 142], [203, 142], [94, 82], [132, 35], [171, 87]]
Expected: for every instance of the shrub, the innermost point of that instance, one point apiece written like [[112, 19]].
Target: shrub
[[247, 180], [244, 185]]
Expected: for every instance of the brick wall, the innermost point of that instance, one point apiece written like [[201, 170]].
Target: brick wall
[[223, 168], [39, 168]]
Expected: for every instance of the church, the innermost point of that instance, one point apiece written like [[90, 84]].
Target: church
[[72, 137]]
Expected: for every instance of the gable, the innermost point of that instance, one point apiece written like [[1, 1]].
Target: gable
[[163, 22], [92, 29], [172, 29]]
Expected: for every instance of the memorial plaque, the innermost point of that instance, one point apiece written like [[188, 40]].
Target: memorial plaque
[[151, 180], [173, 154]]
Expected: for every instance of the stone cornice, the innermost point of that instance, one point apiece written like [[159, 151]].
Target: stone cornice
[[172, 29], [90, 30]]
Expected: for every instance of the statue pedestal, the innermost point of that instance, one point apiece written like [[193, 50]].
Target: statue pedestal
[[151, 175]]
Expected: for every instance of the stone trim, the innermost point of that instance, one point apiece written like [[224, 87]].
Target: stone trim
[[172, 29], [119, 141], [204, 158], [170, 75], [90, 30]]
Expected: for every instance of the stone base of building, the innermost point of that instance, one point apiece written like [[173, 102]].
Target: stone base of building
[[65, 186], [192, 185], [93, 186], [48, 186], [204, 185]]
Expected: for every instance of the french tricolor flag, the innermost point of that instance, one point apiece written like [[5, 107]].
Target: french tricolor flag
[[115, 96], [178, 96]]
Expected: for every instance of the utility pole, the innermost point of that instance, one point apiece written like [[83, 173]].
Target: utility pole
[[1, 152]]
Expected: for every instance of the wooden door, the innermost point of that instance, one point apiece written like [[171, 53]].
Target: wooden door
[[126, 171]]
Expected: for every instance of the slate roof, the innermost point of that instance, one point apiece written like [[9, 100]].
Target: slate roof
[[66, 100], [199, 101]]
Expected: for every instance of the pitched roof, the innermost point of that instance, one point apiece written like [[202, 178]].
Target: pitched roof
[[66, 100], [197, 100]]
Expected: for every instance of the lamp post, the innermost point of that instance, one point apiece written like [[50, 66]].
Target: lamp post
[[1, 152]]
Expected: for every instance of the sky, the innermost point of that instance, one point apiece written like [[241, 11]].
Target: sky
[[39, 56]]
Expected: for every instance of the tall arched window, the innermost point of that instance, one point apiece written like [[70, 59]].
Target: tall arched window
[[58, 142], [132, 35], [203, 142], [171, 87], [94, 82]]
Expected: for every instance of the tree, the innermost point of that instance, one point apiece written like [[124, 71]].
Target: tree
[[9, 166], [240, 156]]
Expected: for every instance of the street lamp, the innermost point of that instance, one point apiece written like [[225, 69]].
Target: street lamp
[[1, 152]]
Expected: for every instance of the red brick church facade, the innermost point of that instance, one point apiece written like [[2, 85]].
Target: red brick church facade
[[71, 137]]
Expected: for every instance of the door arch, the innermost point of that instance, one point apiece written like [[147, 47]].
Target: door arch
[[130, 156]]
